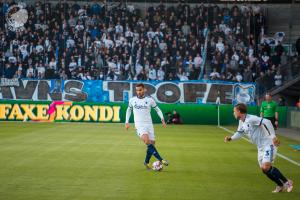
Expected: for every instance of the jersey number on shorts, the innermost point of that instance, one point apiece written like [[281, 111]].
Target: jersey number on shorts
[[267, 153]]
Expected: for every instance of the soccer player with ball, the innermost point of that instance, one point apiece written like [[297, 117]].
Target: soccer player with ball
[[141, 106], [261, 133]]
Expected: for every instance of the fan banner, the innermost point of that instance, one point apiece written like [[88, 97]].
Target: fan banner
[[197, 92]]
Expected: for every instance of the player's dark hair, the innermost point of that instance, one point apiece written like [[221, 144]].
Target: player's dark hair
[[140, 85], [241, 107]]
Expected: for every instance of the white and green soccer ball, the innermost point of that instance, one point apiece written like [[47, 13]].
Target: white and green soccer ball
[[157, 166]]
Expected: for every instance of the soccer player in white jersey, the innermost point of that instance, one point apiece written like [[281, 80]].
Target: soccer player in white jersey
[[141, 106], [261, 133]]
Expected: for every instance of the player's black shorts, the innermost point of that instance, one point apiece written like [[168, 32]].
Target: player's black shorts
[[272, 119]]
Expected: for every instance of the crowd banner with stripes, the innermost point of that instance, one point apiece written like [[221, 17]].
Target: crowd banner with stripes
[[196, 92]]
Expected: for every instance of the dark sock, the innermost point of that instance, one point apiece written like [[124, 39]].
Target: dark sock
[[274, 178], [277, 181], [156, 154], [149, 153], [278, 174]]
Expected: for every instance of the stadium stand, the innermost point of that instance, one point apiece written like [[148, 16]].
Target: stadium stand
[[121, 42]]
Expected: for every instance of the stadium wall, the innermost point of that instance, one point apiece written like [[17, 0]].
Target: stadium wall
[[293, 118], [62, 111]]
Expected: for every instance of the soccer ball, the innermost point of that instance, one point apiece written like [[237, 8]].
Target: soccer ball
[[157, 166]]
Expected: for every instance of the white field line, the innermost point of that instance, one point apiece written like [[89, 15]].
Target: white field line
[[280, 155]]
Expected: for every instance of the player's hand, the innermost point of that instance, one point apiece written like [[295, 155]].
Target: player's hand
[[227, 139], [276, 141], [163, 123], [127, 126]]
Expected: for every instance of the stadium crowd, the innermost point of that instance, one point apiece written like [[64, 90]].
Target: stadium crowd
[[121, 42]]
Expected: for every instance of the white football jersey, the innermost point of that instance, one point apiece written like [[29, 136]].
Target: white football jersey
[[259, 130], [142, 110]]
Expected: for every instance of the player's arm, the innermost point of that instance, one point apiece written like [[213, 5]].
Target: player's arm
[[128, 114], [158, 111], [235, 136], [160, 114], [238, 134]]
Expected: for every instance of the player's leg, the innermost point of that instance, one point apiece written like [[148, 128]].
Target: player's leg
[[156, 153], [272, 172], [263, 166], [145, 138], [268, 171], [288, 184], [265, 169], [151, 150], [143, 135], [149, 140]]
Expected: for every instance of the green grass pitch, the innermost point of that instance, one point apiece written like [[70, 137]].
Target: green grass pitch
[[54, 161]]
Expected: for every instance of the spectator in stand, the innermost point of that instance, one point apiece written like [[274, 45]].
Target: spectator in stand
[[197, 63], [30, 73], [214, 75], [279, 49], [40, 71], [265, 61], [160, 74], [269, 79], [9, 71], [278, 78], [182, 75], [152, 74], [239, 77], [120, 43], [248, 75]]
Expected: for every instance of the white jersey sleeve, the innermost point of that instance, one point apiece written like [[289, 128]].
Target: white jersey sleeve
[[153, 103], [130, 104], [239, 133], [128, 112], [156, 108]]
